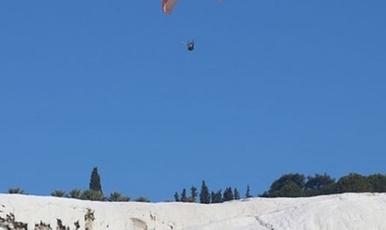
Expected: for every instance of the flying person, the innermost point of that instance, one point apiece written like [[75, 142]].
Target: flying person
[[190, 45], [167, 8]]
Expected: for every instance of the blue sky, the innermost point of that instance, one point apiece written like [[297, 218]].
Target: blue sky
[[273, 87]]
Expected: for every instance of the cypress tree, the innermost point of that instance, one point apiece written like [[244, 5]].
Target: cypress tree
[[183, 196], [217, 196], [204, 194], [176, 197], [95, 181], [193, 192], [248, 193], [236, 194], [228, 194]]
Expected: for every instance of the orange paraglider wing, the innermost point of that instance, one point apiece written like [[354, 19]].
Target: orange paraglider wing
[[168, 5]]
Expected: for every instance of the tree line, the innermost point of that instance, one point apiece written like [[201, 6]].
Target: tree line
[[206, 196], [288, 185], [294, 185], [297, 185], [94, 192]]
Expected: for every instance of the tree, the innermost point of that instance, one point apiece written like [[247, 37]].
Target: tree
[[353, 183], [193, 194], [16, 191], [204, 194], [292, 183], [142, 199], [177, 197], [184, 198], [265, 194], [378, 182], [92, 195], [228, 194], [118, 197], [319, 184], [290, 189], [59, 193], [236, 194], [75, 193], [248, 193], [95, 181], [216, 197]]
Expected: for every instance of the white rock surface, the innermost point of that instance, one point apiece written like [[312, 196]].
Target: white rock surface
[[351, 211]]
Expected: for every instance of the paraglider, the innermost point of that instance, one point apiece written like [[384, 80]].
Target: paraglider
[[168, 5], [167, 8], [190, 45]]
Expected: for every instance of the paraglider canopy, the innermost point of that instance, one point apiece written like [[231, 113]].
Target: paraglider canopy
[[168, 5]]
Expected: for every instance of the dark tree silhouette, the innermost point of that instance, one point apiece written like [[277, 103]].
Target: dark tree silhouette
[[353, 183], [204, 194], [184, 198], [228, 194], [248, 193], [216, 197], [177, 197], [319, 184], [193, 194], [290, 185], [378, 182], [236, 194], [95, 181]]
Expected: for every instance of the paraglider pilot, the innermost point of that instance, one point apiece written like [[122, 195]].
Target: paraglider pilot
[[190, 45]]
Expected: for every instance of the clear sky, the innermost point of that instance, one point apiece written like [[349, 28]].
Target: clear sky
[[273, 87]]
